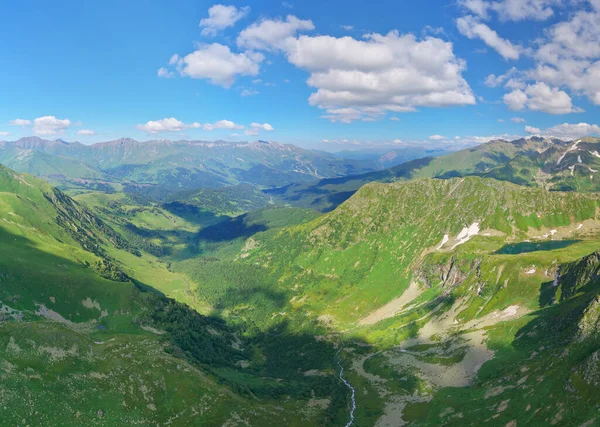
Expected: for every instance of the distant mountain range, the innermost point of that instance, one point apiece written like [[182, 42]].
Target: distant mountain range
[[548, 163], [180, 164]]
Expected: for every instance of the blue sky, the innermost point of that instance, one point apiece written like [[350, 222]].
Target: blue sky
[[300, 72]]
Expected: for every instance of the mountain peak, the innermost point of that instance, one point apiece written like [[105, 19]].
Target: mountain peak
[[32, 139]]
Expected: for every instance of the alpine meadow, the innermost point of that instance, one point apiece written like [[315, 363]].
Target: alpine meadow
[[356, 214]]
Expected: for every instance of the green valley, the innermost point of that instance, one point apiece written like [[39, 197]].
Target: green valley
[[427, 297]]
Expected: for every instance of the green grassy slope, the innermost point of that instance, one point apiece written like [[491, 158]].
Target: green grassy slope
[[78, 349], [367, 247], [458, 300], [472, 308]]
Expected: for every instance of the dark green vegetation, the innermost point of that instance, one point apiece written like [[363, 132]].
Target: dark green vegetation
[[465, 300]]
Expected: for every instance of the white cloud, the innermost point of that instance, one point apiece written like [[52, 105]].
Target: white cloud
[[342, 115], [497, 80], [217, 63], [342, 141], [86, 132], [541, 97], [251, 132], [472, 28], [483, 139], [566, 64], [512, 10], [221, 17], [264, 126], [222, 124], [478, 7], [437, 137], [517, 120], [3, 134], [50, 125], [164, 73], [565, 131], [516, 100], [394, 119], [249, 92], [365, 79], [20, 122], [397, 141], [163, 125], [270, 34], [570, 56], [533, 130], [174, 125], [348, 27]]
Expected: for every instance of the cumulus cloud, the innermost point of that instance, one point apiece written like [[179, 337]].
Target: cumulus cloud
[[517, 120], [3, 134], [264, 126], [86, 132], [516, 100], [165, 73], [570, 55], [221, 124], [512, 10], [566, 63], [354, 79], [472, 28], [437, 137], [163, 125], [50, 125], [218, 64], [541, 97], [270, 34], [20, 122], [565, 131], [494, 80], [474, 140], [365, 79], [221, 17], [174, 125]]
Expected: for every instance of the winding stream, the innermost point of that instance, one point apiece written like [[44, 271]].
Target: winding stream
[[347, 384]]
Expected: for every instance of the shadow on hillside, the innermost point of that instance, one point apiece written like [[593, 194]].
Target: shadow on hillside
[[316, 196], [192, 213], [231, 229]]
